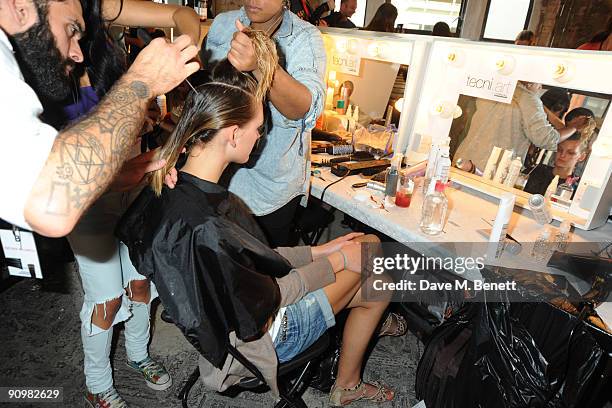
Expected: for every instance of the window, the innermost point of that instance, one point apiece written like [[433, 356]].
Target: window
[[413, 14], [359, 17], [505, 19], [423, 14]]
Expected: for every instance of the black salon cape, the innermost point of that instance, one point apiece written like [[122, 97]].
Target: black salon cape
[[199, 245]]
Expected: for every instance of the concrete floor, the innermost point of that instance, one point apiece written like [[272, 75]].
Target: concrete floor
[[40, 346]]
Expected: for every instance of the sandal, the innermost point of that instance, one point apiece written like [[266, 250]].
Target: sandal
[[359, 392], [401, 327]]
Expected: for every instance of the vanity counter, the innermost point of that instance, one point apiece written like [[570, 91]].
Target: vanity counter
[[467, 212]]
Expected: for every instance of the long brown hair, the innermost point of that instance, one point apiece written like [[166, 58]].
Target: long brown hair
[[229, 99], [384, 19]]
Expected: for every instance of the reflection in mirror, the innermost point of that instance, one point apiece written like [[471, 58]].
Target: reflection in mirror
[[376, 89], [539, 143], [365, 106]]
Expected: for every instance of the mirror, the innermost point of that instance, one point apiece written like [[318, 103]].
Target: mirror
[[470, 94], [370, 71], [379, 85], [515, 144]]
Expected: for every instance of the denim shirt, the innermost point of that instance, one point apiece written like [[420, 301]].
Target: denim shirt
[[281, 161]]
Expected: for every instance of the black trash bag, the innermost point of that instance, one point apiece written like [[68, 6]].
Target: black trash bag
[[576, 361], [479, 358]]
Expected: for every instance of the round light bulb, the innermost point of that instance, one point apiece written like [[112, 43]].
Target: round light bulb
[[504, 64], [373, 50], [377, 49], [399, 104], [563, 71], [454, 58], [457, 112], [446, 110], [353, 46]]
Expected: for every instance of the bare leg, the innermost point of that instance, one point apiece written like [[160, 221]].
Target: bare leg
[[362, 321], [104, 314]]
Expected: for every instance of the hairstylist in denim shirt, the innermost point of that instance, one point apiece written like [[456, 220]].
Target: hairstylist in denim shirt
[[272, 186]]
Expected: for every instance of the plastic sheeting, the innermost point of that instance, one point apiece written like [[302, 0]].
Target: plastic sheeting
[[483, 357]]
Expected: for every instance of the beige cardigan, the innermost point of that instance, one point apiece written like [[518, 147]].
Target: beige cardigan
[[307, 277]]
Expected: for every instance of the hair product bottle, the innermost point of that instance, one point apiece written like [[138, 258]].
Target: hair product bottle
[[539, 209], [392, 177], [489, 170], [541, 248], [443, 165], [513, 172], [435, 206], [502, 168], [432, 163], [562, 237], [552, 188]]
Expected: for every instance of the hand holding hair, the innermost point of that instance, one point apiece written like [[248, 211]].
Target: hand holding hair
[[246, 54]]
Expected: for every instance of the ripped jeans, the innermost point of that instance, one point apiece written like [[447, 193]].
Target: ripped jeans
[[106, 273]]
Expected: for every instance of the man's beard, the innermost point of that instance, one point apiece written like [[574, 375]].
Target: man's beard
[[41, 62]]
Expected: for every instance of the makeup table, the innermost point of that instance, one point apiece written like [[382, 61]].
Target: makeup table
[[468, 212]]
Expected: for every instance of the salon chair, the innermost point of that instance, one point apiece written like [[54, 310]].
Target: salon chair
[[293, 376], [311, 222]]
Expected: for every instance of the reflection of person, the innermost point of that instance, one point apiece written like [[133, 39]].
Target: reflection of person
[[570, 152], [557, 101], [601, 41], [200, 232], [272, 186], [306, 12], [341, 18], [38, 48], [587, 135], [512, 126], [441, 29], [114, 291], [525, 37], [384, 19]]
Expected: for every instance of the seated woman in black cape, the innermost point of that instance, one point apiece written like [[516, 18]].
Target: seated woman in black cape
[[218, 279]]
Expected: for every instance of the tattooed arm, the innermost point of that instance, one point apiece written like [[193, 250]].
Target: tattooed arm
[[86, 156]]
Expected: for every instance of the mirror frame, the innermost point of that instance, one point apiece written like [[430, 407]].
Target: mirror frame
[[409, 49], [449, 65]]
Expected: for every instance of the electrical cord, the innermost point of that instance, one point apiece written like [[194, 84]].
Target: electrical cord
[[334, 182]]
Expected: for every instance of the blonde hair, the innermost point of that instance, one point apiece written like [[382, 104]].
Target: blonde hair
[[230, 98]]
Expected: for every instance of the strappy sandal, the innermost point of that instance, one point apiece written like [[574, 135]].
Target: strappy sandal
[[359, 392], [401, 327]]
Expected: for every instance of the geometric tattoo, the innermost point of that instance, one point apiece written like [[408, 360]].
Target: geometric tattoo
[[92, 150]]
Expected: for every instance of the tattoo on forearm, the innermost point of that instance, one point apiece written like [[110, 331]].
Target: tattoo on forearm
[[93, 150]]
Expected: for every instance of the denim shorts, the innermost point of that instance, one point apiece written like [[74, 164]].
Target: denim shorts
[[306, 321]]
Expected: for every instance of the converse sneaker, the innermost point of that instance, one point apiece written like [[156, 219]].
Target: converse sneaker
[[107, 399], [153, 372]]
